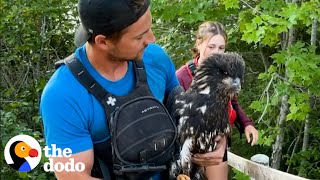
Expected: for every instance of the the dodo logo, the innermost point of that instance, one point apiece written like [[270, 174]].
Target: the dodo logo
[[22, 153]]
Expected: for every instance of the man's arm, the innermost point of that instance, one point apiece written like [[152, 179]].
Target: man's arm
[[85, 157]]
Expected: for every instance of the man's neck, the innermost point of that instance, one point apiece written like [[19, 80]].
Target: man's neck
[[112, 70]]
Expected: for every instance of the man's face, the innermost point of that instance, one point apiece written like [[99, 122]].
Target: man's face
[[134, 40]]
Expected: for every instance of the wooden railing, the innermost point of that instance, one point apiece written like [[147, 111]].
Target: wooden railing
[[258, 171]]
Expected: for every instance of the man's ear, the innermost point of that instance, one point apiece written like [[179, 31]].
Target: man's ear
[[102, 42]]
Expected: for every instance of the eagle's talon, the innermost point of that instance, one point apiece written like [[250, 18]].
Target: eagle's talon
[[183, 177]]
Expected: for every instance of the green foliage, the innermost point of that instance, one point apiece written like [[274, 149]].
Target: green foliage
[[294, 70], [266, 138], [34, 34], [231, 4], [175, 23], [239, 175], [269, 19], [311, 166], [302, 67], [12, 126]]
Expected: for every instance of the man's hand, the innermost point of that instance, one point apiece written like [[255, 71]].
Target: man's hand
[[251, 131], [212, 158]]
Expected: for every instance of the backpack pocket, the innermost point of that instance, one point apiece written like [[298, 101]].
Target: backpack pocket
[[143, 135]]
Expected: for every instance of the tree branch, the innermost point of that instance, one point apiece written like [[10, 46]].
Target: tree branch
[[266, 91]]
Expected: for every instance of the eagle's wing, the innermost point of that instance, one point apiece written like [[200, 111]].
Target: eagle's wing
[[191, 109]]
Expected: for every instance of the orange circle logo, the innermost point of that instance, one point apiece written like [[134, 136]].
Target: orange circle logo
[[22, 153]]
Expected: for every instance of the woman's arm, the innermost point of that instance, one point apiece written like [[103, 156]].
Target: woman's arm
[[242, 118], [246, 125]]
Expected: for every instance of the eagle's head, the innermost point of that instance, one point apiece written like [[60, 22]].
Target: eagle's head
[[220, 74]]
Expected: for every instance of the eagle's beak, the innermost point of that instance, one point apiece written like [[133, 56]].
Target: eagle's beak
[[236, 84]]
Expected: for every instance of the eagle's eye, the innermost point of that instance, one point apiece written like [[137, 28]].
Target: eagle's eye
[[223, 71]]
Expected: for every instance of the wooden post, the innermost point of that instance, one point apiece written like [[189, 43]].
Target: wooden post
[[260, 159], [258, 171]]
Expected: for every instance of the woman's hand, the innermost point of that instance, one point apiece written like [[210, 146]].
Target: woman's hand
[[212, 158], [251, 131]]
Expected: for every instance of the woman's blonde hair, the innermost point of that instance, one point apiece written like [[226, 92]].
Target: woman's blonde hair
[[205, 29]]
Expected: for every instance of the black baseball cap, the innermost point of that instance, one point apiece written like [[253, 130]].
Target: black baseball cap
[[107, 17]]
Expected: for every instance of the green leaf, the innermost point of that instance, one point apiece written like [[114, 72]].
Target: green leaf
[[257, 20], [280, 57], [293, 109], [292, 100], [290, 116], [274, 100], [264, 139], [255, 105], [230, 4], [23, 175], [282, 88], [263, 76], [14, 9], [272, 69], [304, 107], [239, 175], [291, 12]]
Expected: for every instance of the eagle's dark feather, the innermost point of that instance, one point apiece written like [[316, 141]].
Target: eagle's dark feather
[[202, 111]]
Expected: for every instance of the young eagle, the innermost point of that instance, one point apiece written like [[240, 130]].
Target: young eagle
[[202, 111]]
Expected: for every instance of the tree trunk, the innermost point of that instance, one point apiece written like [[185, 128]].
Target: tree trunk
[[265, 63], [314, 31], [294, 149], [307, 123], [277, 146]]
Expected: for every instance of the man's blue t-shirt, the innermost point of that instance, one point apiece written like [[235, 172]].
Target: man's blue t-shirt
[[73, 118]]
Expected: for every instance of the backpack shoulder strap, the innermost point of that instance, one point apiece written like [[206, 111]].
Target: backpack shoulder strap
[[62, 61], [84, 77], [191, 68], [140, 72], [102, 95]]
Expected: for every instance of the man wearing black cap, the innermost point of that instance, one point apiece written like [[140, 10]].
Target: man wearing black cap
[[113, 35]]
